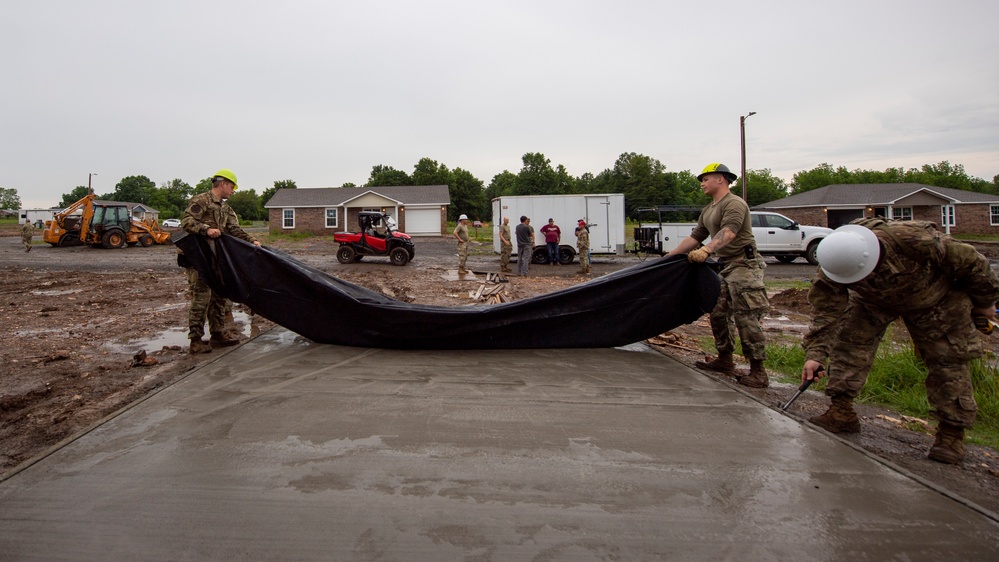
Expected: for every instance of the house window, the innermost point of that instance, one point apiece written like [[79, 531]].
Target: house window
[[901, 213], [331, 218], [287, 218], [947, 215], [994, 215]]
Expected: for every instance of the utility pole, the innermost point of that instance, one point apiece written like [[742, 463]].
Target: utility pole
[[742, 132], [90, 178]]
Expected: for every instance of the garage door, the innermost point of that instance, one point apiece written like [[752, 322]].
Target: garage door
[[423, 221]]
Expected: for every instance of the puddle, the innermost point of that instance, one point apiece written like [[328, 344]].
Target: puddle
[[177, 336], [784, 323], [55, 293]]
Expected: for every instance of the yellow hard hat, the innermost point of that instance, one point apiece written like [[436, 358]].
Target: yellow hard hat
[[227, 174], [717, 168]]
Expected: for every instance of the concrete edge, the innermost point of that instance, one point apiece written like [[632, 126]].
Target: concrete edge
[[52, 449], [881, 460]]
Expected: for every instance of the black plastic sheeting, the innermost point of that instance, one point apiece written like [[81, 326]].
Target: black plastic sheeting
[[623, 307]]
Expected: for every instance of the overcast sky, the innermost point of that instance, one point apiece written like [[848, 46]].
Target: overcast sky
[[320, 91]]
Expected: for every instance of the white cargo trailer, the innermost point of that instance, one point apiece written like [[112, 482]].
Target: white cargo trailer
[[35, 216], [604, 213]]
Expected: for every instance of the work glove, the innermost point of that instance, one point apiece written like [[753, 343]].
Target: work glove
[[698, 255]]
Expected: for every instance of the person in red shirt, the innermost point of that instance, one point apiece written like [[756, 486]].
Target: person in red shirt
[[553, 235]]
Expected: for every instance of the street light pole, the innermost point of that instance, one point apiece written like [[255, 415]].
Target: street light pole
[[90, 178], [742, 132]]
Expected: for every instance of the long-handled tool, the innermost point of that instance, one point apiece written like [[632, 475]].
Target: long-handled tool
[[801, 389]]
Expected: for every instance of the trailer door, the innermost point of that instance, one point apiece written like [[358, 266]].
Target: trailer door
[[598, 216]]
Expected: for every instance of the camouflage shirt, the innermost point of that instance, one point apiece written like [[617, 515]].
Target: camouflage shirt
[[204, 211], [583, 239], [917, 268], [28, 230]]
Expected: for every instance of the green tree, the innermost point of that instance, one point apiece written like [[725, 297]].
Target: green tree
[[387, 175], [270, 191], [537, 177], [133, 189], [429, 172], [170, 199], [762, 187], [349, 184], [79, 192], [820, 176], [503, 183], [246, 203], [467, 196], [942, 175], [9, 199]]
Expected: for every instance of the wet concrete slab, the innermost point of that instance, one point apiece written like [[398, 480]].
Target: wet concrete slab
[[285, 449]]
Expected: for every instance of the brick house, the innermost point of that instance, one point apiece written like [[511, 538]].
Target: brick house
[[957, 211], [419, 210]]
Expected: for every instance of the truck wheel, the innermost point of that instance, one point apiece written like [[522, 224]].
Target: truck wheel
[[113, 239], [146, 240], [810, 253], [540, 256], [345, 254], [786, 259], [399, 256], [565, 255]]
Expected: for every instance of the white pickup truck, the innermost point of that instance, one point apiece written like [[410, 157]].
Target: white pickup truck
[[783, 238], [776, 235]]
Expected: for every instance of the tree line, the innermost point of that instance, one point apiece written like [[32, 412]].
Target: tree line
[[644, 181]]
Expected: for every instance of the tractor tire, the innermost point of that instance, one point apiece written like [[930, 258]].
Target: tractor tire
[[113, 239], [71, 238], [345, 254], [399, 256], [146, 240], [786, 258]]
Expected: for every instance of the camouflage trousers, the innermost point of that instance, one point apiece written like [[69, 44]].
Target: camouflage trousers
[[27, 243], [584, 259], [505, 251], [204, 305], [462, 255], [944, 337], [742, 300]]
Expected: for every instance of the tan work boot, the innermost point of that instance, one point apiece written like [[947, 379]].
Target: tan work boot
[[757, 377], [722, 364], [221, 340], [839, 418], [200, 346], [949, 444]]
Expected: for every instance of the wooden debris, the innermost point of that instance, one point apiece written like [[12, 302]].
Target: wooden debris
[[490, 290]]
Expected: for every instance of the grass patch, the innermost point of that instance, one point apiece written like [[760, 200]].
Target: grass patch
[[896, 381]]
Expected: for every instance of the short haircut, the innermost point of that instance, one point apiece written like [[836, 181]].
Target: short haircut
[[523, 218]]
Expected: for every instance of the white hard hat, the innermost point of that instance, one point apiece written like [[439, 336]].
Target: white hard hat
[[849, 254], [463, 217]]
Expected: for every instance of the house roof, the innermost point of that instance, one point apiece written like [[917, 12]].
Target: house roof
[[338, 196], [875, 194], [131, 206]]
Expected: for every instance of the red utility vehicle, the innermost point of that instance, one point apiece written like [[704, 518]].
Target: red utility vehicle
[[378, 237]]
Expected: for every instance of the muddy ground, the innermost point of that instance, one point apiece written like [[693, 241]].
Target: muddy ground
[[87, 332]]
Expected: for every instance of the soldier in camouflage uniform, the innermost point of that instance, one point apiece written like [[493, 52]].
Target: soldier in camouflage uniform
[[461, 234], [873, 272], [743, 297], [506, 245], [583, 246], [27, 231], [208, 214]]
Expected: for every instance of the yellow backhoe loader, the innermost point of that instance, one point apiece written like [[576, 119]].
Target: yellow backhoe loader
[[105, 224]]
